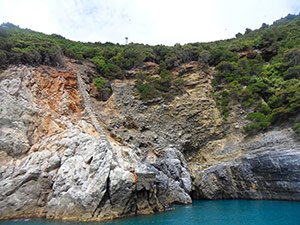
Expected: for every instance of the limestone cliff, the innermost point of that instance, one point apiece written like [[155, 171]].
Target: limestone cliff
[[57, 162], [222, 160], [66, 155]]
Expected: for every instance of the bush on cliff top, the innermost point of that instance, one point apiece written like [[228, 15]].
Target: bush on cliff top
[[262, 65], [266, 70]]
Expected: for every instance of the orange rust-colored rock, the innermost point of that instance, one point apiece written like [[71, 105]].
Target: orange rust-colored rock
[[54, 85], [55, 91]]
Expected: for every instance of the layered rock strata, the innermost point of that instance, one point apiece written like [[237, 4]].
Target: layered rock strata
[[266, 166]]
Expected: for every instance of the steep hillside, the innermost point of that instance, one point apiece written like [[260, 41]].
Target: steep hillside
[[259, 69], [92, 131]]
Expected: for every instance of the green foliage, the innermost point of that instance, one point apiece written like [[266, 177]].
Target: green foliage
[[296, 128], [164, 86], [179, 83], [292, 57], [149, 87], [2, 58], [134, 56], [165, 81], [261, 118], [147, 91], [204, 56], [266, 77], [107, 69], [99, 82], [103, 87], [239, 35], [100, 63], [260, 69], [74, 52], [260, 122], [28, 47], [292, 73], [223, 101]]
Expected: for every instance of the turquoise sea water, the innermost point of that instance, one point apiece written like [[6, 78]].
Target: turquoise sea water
[[217, 212]]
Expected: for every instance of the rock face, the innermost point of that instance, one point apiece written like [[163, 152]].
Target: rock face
[[187, 121], [222, 161], [65, 155], [57, 162], [263, 167]]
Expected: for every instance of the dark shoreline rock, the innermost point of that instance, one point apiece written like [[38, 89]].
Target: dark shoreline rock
[[268, 167]]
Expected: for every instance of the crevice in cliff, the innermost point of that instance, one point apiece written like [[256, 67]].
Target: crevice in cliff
[[87, 105], [135, 195], [130, 205], [106, 197]]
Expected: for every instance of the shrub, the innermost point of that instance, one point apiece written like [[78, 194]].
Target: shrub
[[239, 35], [103, 87], [296, 128], [179, 83], [53, 56], [204, 56], [292, 72], [222, 99], [147, 91], [74, 51], [151, 87], [292, 57], [263, 108], [260, 122], [3, 58], [248, 31], [99, 63], [132, 56], [107, 69], [99, 82]]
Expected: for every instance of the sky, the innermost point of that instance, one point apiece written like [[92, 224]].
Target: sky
[[145, 21]]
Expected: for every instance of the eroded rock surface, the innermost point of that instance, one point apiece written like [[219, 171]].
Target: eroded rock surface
[[266, 166], [188, 121], [65, 155], [56, 161], [223, 161]]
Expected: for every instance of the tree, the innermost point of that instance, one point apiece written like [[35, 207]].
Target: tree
[[3, 58], [239, 35], [248, 30]]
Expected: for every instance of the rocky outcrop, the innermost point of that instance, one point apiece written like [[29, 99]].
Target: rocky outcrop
[[223, 162], [188, 121], [57, 162], [65, 155], [262, 167]]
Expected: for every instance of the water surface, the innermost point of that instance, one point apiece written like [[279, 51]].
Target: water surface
[[217, 212]]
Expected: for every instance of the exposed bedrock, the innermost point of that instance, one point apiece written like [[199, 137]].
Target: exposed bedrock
[[55, 163], [266, 166], [64, 155]]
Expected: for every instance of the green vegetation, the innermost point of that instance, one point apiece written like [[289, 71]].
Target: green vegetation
[[24, 46], [296, 128], [154, 87], [99, 82], [223, 101], [259, 69], [163, 86], [103, 88]]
